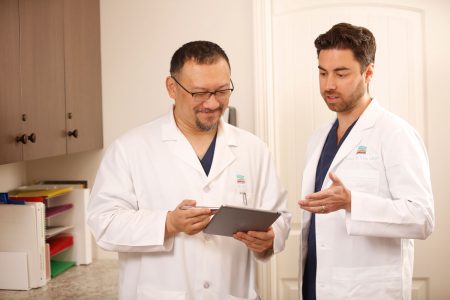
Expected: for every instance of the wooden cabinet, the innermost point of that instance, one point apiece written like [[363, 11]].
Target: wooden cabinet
[[50, 96], [42, 77], [10, 124], [83, 76]]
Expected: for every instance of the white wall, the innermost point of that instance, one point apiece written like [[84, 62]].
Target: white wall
[[11, 176], [138, 39]]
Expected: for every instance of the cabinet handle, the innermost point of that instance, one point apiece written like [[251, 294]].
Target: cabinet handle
[[32, 137], [73, 133], [22, 139]]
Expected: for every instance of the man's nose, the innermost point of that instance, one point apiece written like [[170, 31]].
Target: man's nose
[[330, 83], [211, 102]]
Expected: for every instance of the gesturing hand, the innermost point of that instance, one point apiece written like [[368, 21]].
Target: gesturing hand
[[189, 221], [336, 197]]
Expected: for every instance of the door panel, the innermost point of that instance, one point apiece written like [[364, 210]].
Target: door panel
[[10, 121], [42, 72], [83, 78], [411, 71]]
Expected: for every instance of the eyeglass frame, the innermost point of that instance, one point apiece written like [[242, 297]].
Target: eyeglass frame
[[193, 94]]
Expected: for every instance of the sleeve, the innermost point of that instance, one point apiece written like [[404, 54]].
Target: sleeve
[[274, 197], [114, 217], [409, 211]]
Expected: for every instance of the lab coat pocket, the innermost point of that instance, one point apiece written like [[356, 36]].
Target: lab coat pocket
[[379, 282], [149, 293], [366, 181]]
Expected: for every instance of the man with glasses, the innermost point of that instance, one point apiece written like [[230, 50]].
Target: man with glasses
[[155, 186]]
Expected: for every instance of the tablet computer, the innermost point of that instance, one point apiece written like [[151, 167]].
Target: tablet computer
[[231, 219]]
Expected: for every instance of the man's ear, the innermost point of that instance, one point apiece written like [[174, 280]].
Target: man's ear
[[170, 86], [369, 72]]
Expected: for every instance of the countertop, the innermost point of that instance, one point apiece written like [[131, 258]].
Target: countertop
[[98, 280]]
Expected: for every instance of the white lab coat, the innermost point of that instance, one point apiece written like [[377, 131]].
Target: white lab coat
[[149, 171], [368, 253]]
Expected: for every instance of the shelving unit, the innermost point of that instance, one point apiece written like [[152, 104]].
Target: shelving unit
[[64, 224], [65, 242], [59, 234]]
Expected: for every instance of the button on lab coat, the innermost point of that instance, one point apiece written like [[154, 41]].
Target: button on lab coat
[[148, 172], [368, 253]]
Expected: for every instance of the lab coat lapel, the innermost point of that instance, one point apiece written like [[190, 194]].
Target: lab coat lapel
[[350, 143], [365, 122], [179, 145], [223, 155]]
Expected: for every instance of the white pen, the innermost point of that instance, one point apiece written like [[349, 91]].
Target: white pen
[[244, 198], [212, 208], [242, 190]]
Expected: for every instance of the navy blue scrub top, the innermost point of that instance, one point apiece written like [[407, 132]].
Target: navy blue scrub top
[[330, 148], [207, 160]]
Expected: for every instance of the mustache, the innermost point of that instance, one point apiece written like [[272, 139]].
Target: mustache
[[207, 110]]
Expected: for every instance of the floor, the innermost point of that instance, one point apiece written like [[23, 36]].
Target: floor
[[96, 281]]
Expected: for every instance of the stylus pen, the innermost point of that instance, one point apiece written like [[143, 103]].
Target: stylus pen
[[191, 206]]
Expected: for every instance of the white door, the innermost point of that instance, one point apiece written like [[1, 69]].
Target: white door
[[412, 71]]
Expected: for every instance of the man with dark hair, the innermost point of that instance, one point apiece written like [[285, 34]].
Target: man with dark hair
[[155, 183], [202, 52], [366, 190]]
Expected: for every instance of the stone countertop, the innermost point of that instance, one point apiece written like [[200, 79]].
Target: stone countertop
[[98, 280]]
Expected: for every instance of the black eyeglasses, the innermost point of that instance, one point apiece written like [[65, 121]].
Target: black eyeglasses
[[220, 95]]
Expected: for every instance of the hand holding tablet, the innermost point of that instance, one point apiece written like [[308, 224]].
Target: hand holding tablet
[[228, 220]]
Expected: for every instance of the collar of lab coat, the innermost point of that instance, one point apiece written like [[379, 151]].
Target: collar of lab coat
[[365, 122], [223, 154]]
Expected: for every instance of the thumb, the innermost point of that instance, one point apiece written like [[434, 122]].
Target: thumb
[[187, 203], [335, 179]]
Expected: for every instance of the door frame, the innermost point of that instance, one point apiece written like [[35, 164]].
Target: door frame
[[264, 120]]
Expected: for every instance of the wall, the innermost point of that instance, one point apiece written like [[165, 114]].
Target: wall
[[138, 39], [11, 176]]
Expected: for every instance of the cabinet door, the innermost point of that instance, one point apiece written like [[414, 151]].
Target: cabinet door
[[83, 75], [10, 122], [42, 74]]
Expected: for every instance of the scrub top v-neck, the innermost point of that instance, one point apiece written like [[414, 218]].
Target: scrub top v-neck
[[207, 159]]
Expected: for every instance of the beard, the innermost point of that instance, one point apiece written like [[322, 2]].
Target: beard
[[210, 123], [347, 103]]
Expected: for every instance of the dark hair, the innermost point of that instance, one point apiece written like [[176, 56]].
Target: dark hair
[[347, 36], [202, 52]]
